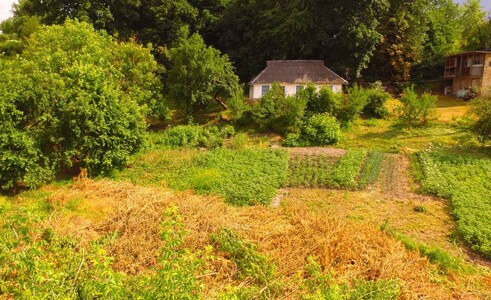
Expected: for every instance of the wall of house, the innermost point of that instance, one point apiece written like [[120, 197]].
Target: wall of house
[[255, 91], [486, 76]]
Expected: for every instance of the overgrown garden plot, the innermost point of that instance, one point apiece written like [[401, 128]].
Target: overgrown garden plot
[[466, 181]]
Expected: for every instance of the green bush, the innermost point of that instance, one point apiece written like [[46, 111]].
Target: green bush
[[320, 102], [182, 136], [237, 107], [352, 105], [75, 99], [197, 136], [321, 130], [417, 109], [376, 99], [481, 107], [283, 114]]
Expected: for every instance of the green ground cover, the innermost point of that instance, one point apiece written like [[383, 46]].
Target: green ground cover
[[242, 177], [466, 181]]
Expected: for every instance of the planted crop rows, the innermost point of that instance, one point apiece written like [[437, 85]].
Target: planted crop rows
[[371, 170], [466, 181], [326, 171]]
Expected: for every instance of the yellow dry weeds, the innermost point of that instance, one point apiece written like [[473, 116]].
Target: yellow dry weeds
[[287, 235]]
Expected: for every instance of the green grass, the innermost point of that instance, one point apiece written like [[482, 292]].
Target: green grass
[[466, 181], [445, 262], [387, 135]]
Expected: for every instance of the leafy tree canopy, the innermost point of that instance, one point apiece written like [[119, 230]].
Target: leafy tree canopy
[[199, 73], [75, 98]]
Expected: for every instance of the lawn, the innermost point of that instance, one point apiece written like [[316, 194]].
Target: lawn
[[447, 130]]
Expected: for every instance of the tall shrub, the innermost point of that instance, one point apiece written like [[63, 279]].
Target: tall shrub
[[76, 98], [376, 99], [352, 105], [320, 102], [481, 108], [281, 113], [416, 109]]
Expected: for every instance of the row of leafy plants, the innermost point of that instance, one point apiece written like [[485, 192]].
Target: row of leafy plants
[[466, 182], [324, 171]]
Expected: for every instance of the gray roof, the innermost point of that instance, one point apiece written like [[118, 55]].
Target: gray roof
[[469, 52], [297, 72]]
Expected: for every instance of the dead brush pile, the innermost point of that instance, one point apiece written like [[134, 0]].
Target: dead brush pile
[[287, 235]]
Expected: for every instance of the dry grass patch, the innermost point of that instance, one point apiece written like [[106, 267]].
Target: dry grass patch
[[287, 236]]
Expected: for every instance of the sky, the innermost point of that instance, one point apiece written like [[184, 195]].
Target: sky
[[6, 5]]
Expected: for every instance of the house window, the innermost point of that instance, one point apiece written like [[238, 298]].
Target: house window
[[477, 61], [264, 89], [451, 63], [283, 88], [298, 88], [332, 88]]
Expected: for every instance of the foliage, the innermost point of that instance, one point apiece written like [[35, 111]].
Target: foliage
[[279, 112], [376, 100], [320, 130], [352, 105], [465, 181], [37, 263], [15, 32], [156, 22], [237, 107], [324, 101], [481, 107], [417, 109], [196, 136], [245, 255], [444, 37], [199, 73], [76, 98], [403, 28], [253, 32]]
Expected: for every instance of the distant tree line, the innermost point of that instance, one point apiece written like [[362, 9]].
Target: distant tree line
[[375, 40]]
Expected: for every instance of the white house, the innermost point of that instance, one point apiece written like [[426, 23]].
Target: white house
[[293, 75]]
